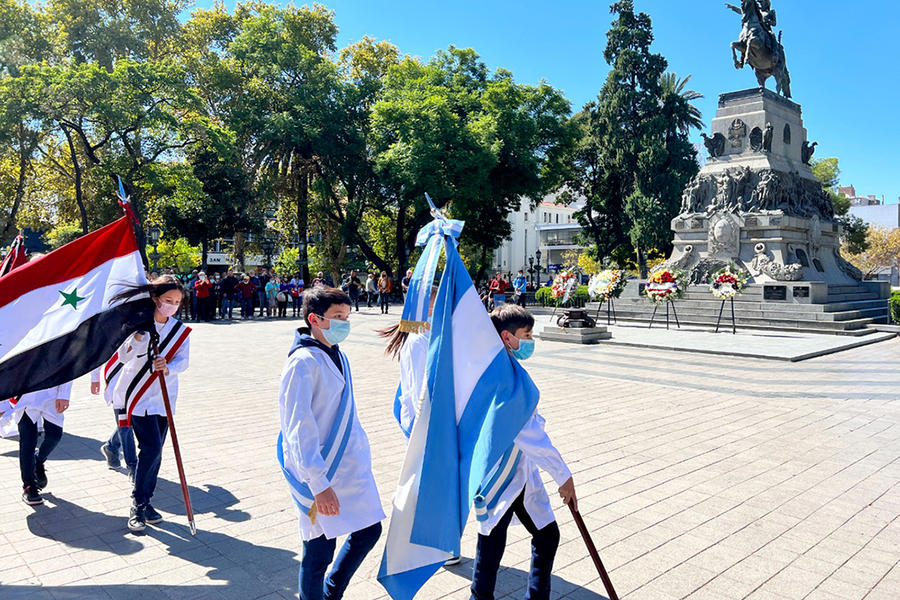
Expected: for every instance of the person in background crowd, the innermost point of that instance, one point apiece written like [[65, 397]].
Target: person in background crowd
[[297, 294], [271, 292], [519, 285], [404, 283], [283, 296], [189, 284], [203, 287], [384, 292], [247, 292], [319, 280], [229, 294], [353, 287], [294, 294], [371, 290], [498, 289], [261, 290], [216, 296]]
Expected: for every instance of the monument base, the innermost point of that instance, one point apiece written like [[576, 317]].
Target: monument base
[[574, 335]]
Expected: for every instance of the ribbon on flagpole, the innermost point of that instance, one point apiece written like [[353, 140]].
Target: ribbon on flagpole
[[418, 297]]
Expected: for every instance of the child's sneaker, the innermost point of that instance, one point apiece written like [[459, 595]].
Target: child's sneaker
[[137, 522], [40, 475], [31, 497], [151, 516], [112, 459]]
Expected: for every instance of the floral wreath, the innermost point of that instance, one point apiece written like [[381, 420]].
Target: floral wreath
[[665, 285], [607, 284], [728, 282], [563, 285]]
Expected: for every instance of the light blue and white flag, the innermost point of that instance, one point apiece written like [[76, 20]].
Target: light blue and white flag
[[477, 400]]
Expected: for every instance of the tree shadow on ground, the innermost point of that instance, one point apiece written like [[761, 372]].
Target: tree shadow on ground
[[214, 500], [77, 527], [515, 581]]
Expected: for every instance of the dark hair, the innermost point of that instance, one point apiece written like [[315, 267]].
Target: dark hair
[[320, 298], [397, 337], [511, 318], [156, 288]]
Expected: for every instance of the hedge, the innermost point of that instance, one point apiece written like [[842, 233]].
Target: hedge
[[895, 306], [544, 296]]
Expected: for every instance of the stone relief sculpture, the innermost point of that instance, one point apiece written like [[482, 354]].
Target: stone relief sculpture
[[849, 269], [724, 237], [807, 151], [763, 263], [715, 145], [736, 133]]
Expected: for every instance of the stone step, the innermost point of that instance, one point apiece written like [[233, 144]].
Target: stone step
[[852, 297], [767, 314], [709, 303], [855, 327], [846, 289]]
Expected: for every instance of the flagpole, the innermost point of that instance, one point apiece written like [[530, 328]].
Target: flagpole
[[184, 487], [592, 550]]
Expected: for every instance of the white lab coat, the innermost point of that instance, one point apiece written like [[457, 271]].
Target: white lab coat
[[310, 394], [133, 355], [538, 453], [413, 358], [39, 406]]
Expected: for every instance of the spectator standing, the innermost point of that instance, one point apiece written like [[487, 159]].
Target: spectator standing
[[353, 287], [272, 289], [284, 296], [498, 290], [384, 292], [264, 279], [319, 280], [404, 283], [371, 290], [229, 294], [217, 296], [247, 292], [192, 279], [519, 285], [203, 291]]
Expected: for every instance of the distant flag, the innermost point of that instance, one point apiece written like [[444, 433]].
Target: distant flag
[[15, 257], [477, 400], [59, 320]]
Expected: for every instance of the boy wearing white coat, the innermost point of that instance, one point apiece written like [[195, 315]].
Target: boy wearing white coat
[[323, 450], [524, 495]]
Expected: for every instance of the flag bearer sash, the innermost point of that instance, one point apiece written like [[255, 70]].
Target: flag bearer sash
[[111, 371], [135, 389], [490, 491], [332, 449]]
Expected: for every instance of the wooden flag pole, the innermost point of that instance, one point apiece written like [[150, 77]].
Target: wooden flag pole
[[592, 550], [184, 487]]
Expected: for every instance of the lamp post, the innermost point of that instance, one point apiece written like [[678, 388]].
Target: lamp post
[[537, 259], [153, 232], [268, 247], [531, 269]]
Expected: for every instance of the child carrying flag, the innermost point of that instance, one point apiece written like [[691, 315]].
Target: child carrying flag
[[518, 490], [323, 450]]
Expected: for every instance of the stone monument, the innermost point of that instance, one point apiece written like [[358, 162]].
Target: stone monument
[[756, 203]]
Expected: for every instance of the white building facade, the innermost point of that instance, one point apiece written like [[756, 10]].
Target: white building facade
[[540, 236]]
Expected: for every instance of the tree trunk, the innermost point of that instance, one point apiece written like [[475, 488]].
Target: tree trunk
[[370, 254], [642, 261], [25, 150], [76, 168], [237, 253], [301, 191], [400, 241], [204, 249]]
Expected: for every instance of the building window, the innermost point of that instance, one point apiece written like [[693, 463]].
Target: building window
[[557, 218], [787, 134]]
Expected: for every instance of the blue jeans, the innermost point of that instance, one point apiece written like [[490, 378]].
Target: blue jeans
[[489, 552], [227, 307], [28, 437], [317, 554], [122, 439], [151, 435]]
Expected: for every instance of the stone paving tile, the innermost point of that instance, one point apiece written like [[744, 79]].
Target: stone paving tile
[[700, 477]]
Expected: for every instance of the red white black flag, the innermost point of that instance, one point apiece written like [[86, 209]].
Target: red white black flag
[[15, 257], [58, 319]]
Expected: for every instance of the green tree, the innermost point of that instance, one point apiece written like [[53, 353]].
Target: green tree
[[828, 172], [634, 157]]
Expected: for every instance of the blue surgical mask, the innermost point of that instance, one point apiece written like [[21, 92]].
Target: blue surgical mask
[[526, 349], [337, 331]]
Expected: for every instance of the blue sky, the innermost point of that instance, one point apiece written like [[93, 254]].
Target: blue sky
[[844, 71]]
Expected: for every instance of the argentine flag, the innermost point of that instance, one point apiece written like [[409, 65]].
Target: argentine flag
[[477, 400]]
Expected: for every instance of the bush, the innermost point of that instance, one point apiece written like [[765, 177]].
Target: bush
[[895, 306], [544, 296]]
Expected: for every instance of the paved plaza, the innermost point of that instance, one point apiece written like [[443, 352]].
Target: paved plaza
[[702, 477]]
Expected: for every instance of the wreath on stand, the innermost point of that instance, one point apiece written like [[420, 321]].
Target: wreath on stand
[[563, 286], [728, 282], [666, 285], [607, 284]]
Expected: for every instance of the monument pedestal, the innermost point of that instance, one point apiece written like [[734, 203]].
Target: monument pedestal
[[575, 335]]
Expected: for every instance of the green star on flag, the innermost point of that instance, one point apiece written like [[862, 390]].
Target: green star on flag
[[72, 298]]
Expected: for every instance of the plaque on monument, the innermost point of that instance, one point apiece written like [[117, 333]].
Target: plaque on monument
[[775, 292]]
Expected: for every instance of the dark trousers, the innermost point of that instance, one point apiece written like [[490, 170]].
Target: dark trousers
[[354, 298], [28, 436], [317, 554], [246, 307], [384, 301], [489, 552], [298, 303], [150, 432]]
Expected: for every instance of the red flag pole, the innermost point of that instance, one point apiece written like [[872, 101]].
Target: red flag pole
[[592, 550], [184, 487]]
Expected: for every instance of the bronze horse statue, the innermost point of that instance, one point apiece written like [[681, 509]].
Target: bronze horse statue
[[759, 47]]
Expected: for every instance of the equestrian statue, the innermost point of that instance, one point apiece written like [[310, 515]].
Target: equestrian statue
[[758, 45]]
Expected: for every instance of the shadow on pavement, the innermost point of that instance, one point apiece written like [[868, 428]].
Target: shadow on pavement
[[71, 447], [515, 582]]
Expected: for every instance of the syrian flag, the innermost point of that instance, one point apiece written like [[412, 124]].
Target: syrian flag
[[15, 257], [477, 400], [58, 319]]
